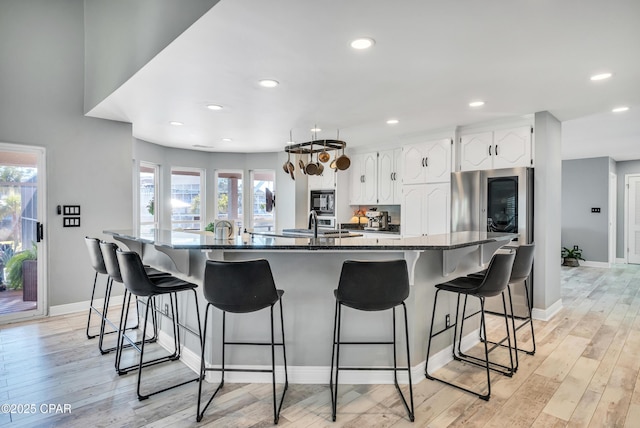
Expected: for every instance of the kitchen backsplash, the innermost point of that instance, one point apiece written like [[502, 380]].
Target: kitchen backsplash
[[393, 210]]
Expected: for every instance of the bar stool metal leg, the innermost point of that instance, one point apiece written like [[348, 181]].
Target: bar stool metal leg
[[500, 368], [277, 405]]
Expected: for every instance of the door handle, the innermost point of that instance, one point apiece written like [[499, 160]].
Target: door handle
[[496, 150], [39, 231], [489, 149], [423, 162], [426, 162]]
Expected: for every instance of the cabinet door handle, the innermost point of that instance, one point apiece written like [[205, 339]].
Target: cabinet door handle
[[496, 150], [489, 149], [426, 162], [423, 162]]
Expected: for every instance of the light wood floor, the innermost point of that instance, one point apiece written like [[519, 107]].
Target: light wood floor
[[585, 373]]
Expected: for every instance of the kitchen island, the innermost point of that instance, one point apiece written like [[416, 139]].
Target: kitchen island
[[308, 269]]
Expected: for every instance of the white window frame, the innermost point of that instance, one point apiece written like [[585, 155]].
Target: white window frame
[[244, 195], [203, 193], [156, 194]]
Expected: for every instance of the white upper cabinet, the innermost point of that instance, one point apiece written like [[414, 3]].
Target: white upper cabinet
[[363, 184], [325, 181], [512, 147], [428, 162], [475, 151], [389, 177], [505, 148]]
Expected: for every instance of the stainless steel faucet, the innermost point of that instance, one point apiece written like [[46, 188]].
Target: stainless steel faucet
[[313, 218]]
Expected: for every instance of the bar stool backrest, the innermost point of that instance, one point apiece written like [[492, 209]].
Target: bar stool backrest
[[134, 276], [523, 262], [111, 260], [498, 275], [95, 255], [243, 286], [373, 285]]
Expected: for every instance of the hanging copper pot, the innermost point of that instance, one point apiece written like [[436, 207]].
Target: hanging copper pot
[[324, 156], [312, 168], [343, 162]]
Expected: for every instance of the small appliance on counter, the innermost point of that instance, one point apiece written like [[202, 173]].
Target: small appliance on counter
[[377, 220]]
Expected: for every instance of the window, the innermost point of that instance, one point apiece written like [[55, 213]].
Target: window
[[148, 214], [187, 198], [229, 196], [262, 212]]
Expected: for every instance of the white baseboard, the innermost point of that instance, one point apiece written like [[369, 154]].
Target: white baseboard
[[318, 375], [587, 263], [443, 357], [621, 261], [314, 375], [547, 314], [71, 308]]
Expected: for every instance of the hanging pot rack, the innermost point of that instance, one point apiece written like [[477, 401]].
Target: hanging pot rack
[[315, 146]]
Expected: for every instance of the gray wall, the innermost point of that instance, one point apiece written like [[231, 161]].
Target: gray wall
[[123, 35], [41, 104], [585, 185], [622, 168], [168, 157]]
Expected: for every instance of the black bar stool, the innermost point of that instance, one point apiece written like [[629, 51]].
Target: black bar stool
[[371, 286], [108, 250], [97, 262], [242, 287], [139, 284], [492, 284], [520, 273]]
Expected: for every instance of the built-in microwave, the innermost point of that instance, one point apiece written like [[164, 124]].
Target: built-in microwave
[[323, 202]]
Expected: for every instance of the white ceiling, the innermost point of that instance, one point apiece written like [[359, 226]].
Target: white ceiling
[[431, 58]]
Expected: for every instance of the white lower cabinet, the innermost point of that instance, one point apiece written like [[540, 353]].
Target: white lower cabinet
[[426, 209]]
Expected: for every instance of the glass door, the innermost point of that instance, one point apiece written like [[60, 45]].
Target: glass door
[[22, 288], [502, 204]]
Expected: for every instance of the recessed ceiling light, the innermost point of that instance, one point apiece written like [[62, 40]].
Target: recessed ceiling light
[[620, 109], [392, 121], [214, 107], [227, 140], [268, 83], [316, 129], [174, 123], [601, 76], [362, 43], [476, 104]]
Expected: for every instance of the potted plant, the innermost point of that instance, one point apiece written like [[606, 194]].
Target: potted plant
[[571, 257], [15, 270]]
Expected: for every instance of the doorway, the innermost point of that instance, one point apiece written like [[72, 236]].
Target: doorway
[[632, 223], [22, 248]]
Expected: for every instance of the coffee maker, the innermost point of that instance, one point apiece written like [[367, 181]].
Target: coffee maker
[[377, 220]]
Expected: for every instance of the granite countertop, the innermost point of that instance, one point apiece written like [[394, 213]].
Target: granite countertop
[[206, 241]]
